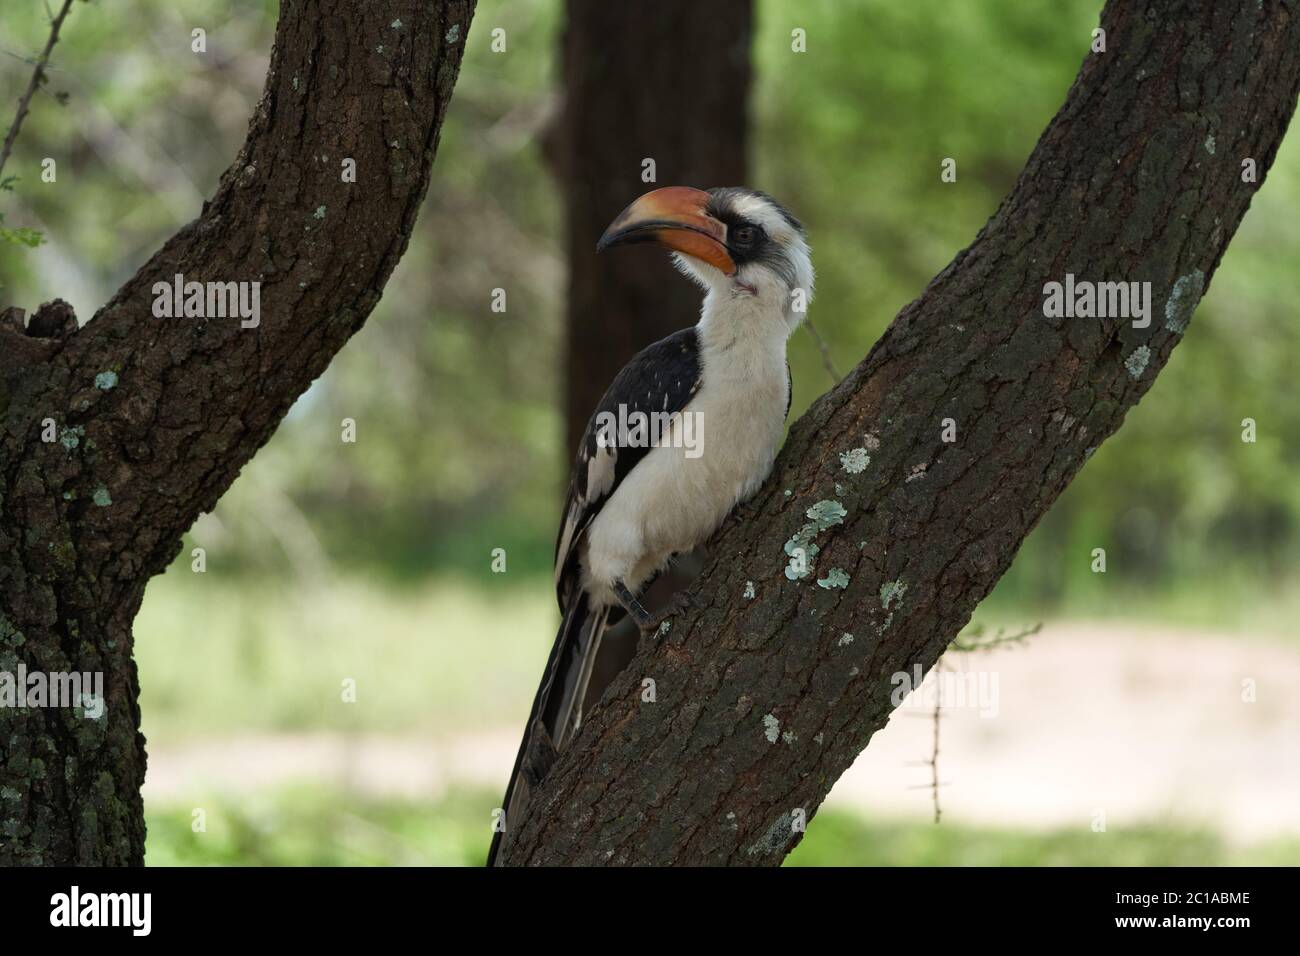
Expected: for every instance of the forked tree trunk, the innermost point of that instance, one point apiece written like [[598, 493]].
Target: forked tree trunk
[[762, 699], [155, 416]]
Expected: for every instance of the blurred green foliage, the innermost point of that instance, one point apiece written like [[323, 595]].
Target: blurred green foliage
[[21, 236]]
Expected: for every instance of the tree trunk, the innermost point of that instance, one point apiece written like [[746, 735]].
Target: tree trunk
[[155, 416], [662, 81], [768, 688]]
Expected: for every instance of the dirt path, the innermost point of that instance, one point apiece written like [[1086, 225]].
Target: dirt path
[[1141, 724]]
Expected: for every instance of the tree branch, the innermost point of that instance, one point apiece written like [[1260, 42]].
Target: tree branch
[[195, 398], [155, 416], [762, 703], [38, 74]]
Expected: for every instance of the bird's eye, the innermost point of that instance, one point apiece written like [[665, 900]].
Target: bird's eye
[[744, 235]]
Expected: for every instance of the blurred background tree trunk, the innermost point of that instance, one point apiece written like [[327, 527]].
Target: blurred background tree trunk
[[663, 82]]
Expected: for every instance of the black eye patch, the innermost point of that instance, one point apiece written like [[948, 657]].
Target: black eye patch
[[758, 247]]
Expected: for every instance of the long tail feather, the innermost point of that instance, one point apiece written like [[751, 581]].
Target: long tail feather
[[557, 709]]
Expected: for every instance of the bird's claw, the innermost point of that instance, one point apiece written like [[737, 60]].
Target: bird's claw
[[660, 622]]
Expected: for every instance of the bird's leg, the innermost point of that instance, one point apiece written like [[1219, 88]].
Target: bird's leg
[[677, 604], [631, 604]]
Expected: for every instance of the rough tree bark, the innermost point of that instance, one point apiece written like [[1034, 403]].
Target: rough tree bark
[[762, 699], [155, 417], [657, 81]]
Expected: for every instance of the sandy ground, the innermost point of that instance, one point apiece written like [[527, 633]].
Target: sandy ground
[[1139, 724]]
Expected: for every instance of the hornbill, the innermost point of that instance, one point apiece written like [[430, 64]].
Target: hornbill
[[639, 495]]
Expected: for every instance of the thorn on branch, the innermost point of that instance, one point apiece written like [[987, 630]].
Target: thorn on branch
[[934, 751], [975, 641]]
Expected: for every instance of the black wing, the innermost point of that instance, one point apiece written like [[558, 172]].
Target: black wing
[[661, 378]]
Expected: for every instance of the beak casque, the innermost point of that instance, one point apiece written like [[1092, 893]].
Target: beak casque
[[673, 217]]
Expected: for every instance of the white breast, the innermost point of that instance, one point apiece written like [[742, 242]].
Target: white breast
[[671, 502]]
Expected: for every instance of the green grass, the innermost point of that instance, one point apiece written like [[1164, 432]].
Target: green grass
[[840, 839], [302, 827], [220, 655], [316, 827]]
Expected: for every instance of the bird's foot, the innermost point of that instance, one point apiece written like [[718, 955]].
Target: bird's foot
[[659, 623]]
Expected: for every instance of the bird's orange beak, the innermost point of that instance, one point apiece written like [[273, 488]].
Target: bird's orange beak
[[675, 217]]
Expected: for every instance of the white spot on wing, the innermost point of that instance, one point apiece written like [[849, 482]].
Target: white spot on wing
[[600, 473]]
